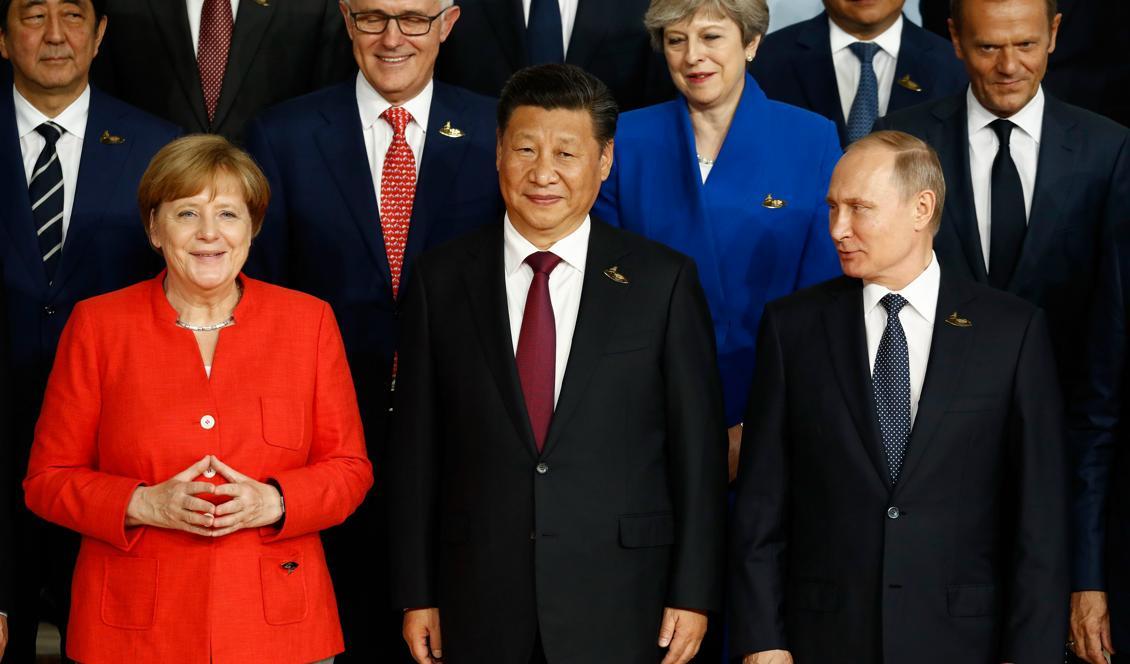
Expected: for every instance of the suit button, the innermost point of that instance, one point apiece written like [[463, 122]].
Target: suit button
[[893, 513], [49, 310], [542, 468], [207, 422]]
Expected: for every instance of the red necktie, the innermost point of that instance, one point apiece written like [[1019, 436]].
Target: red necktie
[[537, 346], [398, 190], [212, 52]]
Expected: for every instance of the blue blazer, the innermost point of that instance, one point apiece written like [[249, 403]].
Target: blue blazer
[[748, 251], [794, 65], [322, 234]]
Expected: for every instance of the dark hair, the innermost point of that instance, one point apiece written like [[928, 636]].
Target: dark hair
[[566, 87], [6, 6], [957, 5]]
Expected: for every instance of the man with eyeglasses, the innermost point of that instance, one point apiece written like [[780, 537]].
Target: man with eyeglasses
[[365, 175]]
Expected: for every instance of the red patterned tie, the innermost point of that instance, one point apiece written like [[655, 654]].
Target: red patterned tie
[[398, 190], [212, 52], [537, 346]]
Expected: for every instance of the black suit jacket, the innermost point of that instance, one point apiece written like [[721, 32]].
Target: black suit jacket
[[794, 65], [965, 559], [7, 459], [620, 515], [279, 49], [488, 44], [1082, 191]]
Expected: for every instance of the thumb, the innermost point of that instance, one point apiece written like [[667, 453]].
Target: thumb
[[436, 641], [667, 628]]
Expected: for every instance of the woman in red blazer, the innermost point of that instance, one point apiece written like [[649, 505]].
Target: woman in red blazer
[[199, 430]]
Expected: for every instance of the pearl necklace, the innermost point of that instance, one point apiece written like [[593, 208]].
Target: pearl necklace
[[207, 328], [704, 161]]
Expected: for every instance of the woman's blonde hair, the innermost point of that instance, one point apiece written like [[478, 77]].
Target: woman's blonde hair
[[752, 16]]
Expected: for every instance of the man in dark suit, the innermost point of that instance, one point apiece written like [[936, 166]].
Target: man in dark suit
[[558, 471], [498, 37], [365, 175], [7, 498], [902, 488], [70, 160], [856, 62], [211, 65]]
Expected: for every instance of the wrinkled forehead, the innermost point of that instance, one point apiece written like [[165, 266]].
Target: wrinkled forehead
[[396, 7]]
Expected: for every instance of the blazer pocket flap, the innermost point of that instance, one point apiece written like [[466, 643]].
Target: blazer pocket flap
[[626, 343], [646, 530], [970, 601], [129, 592], [814, 595], [284, 589], [283, 422]]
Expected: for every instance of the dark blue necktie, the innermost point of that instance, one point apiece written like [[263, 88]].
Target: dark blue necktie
[[865, 106], [544, 40], [1008, 221], [891, 384], [46, 193]]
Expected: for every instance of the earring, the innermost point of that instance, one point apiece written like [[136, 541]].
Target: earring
[[749, 58]]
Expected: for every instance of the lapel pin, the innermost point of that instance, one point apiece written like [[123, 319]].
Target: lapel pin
[[449, 131], [773, 203], [263, 3], [958, 321], [613, 273], [909, 84], [110, 139]]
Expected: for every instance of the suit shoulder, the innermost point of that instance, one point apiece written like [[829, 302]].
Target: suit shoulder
[[1004, 305], [800, 121], [641, 122], [1094, 125], [917, 118], [813, 299], [117, 304], [295, 303], [475, 102], [302, 109], [779, 44], [133, 119]]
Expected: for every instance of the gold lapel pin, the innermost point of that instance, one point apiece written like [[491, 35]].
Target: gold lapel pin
[[958, 321], [449, 131], [773, 203], [263, 3], [613, 273], [909, 84], [110, 139]]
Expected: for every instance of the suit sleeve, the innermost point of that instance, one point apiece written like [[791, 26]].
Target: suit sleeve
[[819, 262], [758, 537], [269, 258], [413, 457], [1036, 617], [337, 473], [697, 448], [62, 485]]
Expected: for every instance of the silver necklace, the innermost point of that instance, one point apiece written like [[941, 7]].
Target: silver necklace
[[207, 328], [703, 161]]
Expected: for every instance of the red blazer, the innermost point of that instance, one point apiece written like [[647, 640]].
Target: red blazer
[[128, 403]]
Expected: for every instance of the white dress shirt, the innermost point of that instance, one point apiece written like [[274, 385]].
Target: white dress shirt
[[68, 147], [1024, 146], [568, 18], [848, 65], [564, 287], [378, 132], [195, 9], [917, 319]]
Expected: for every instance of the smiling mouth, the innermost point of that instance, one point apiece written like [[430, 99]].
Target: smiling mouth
[[207, 254], [543, 199], [699, 77], [393, 60]]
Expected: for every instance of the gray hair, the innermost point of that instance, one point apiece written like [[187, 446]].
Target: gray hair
[[443, 4], [752, 16]]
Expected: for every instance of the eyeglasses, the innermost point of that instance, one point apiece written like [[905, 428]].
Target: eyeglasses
[[410, 25]]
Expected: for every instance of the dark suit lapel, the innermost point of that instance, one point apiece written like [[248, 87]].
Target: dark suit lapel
[[911, 67], [589, 30], [251, 23], [508, 20], [816, 72], [172, 21], [847, 343], [15, 207], [343, 154], [948, 351], [601, 299], [951, 138]]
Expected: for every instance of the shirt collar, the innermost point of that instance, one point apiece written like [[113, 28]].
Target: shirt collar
[[889, 40], [573, 249], [72, 119], [371, 104], [921, 294], [1030, 119]]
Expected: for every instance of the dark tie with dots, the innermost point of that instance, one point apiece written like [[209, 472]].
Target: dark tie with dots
[[865, 106], [46, 193], [537, 346], [891, 384], [216, 23], [1008, 221], [544, 38]]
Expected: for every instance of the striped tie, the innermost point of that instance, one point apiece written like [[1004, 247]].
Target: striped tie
[[46, 193]]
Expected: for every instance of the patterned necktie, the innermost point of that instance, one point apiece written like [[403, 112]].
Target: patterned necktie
[[891, 384], [865, 106], [1008, 222], [398, 191], [212, 51], [537, 346], [544, 37], [46, 193]]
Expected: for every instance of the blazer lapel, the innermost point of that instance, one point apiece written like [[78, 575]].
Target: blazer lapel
[[589, 30], [910, 67], [816, 73], [15, 207], [172, 21], [951, 137], [600, 300], [251, 23], [508, 20]]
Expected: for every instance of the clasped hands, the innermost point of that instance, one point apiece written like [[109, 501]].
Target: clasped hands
[[175, 504]]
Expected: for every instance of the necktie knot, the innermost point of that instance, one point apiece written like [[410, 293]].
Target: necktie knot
[[50, 132], [398, 117], [893, 303], [865, 51], [543, 262], [1003, 129]]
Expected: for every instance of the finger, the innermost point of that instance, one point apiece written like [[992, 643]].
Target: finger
[[666, 628], [220, 532], [418, 647], [195, 470], [237, 519], [199, 505], [435, 640], [195, 488], [196, 530], [230, 474], [1093, 649], [231, 507], [679, 651], [1104, 637], [202, 520]]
